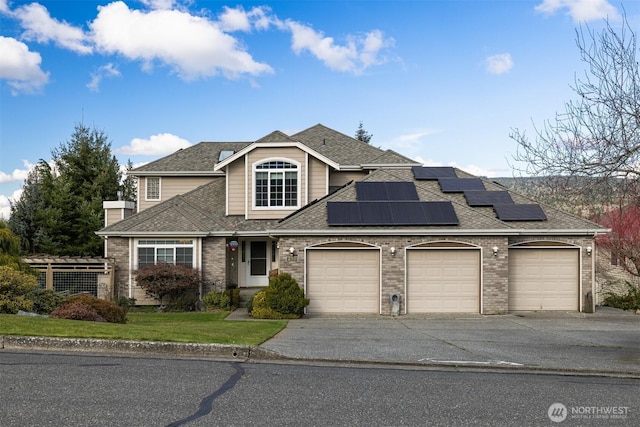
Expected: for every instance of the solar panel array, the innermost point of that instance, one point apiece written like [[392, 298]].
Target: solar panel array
[[391, 213], [392, 203]]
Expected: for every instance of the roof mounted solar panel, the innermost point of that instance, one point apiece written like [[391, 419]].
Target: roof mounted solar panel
[[433, 172], [487, 198], [459, 185], [375, 213], [408, 213], [369, 191], [401, 191], [343, 213], [440, 213], [519, 212]]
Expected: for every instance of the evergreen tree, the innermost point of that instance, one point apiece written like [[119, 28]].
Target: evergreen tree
[[61, 208], [362, 134]]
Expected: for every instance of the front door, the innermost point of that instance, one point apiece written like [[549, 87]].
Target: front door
[[258, 264]]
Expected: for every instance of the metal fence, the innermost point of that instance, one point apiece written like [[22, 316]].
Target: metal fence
[[75, 275]]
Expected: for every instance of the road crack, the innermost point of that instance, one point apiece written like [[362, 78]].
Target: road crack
[[206, 405]]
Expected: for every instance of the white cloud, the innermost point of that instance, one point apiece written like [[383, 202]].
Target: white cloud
[[17, 174], [237, 19], [4, 6], [41, 27], [5, 203], [357, 54], [163, 143], [498, 64], [20, 67], [108, 70], [580, 10], [194, 47]]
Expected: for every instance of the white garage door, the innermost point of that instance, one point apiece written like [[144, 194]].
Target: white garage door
[[543, 279], [443, 281], [343, 281]]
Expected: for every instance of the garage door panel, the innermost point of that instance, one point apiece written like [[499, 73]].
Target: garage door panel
[[544, 279], [443, 281], [343, 281]]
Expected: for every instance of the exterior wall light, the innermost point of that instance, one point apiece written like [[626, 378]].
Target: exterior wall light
[[392, 249], [495, 251], [589, 250], [292, 250]]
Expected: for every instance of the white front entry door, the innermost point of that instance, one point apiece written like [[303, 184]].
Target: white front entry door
[[257, 263]]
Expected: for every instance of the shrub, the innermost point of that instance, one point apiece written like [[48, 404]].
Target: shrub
[[77, 311], [219, 300], [164, 279], [628, 301], [109, 311], [126, 302], [284, 296], [282, 299], [45, 300], [184, 302], [15, 290]]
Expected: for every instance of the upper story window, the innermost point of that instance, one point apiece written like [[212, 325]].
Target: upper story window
[[153, 188], [276, 184]]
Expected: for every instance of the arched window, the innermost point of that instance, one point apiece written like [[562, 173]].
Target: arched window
[[276, 184]]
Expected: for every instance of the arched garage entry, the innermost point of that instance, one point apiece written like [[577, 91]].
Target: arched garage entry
[[544, 276], [343, 277], [443, 277]]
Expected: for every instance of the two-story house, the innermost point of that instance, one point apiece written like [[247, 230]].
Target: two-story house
[[355, 225]]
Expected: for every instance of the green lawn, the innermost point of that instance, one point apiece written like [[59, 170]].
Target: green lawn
[[199, 327]]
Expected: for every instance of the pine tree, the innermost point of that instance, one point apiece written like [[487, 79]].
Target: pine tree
[[362, 134]]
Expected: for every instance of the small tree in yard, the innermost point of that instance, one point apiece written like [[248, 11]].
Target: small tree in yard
[[167, 280], [623, 243]]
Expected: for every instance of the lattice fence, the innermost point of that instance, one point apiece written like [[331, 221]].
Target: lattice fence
[[75, 275]]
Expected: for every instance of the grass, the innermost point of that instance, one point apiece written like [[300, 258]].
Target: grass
[[199, 327]]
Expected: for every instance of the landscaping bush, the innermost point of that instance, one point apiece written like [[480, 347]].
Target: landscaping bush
[[282, 299], [284, 296], [45, 300], [628, 301], [15, 290], [217, 300], [184, 302], [234, 297], [77, 311], [126, 302], [164, 279], [109, 311]]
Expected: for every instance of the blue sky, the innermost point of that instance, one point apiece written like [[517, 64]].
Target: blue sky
[[443, 82]]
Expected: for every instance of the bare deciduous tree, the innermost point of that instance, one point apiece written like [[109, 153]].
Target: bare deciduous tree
[[594, 145]]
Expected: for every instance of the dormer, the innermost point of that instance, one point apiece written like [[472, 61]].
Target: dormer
[[274, 177]]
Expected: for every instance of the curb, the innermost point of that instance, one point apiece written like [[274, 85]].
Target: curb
[[248, 353]]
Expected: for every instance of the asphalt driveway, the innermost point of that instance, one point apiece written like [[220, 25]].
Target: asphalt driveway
[[607, 341]]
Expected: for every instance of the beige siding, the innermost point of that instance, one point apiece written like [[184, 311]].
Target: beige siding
[[171, 186], [338, 179], [113, 216], [285, 153], [236, 188], [317, 179]]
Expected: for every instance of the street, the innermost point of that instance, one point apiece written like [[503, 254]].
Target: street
[[60, 389]]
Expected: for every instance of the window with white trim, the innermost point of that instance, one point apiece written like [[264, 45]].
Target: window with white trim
[[153, 188], [276, 184], [178, 252]]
